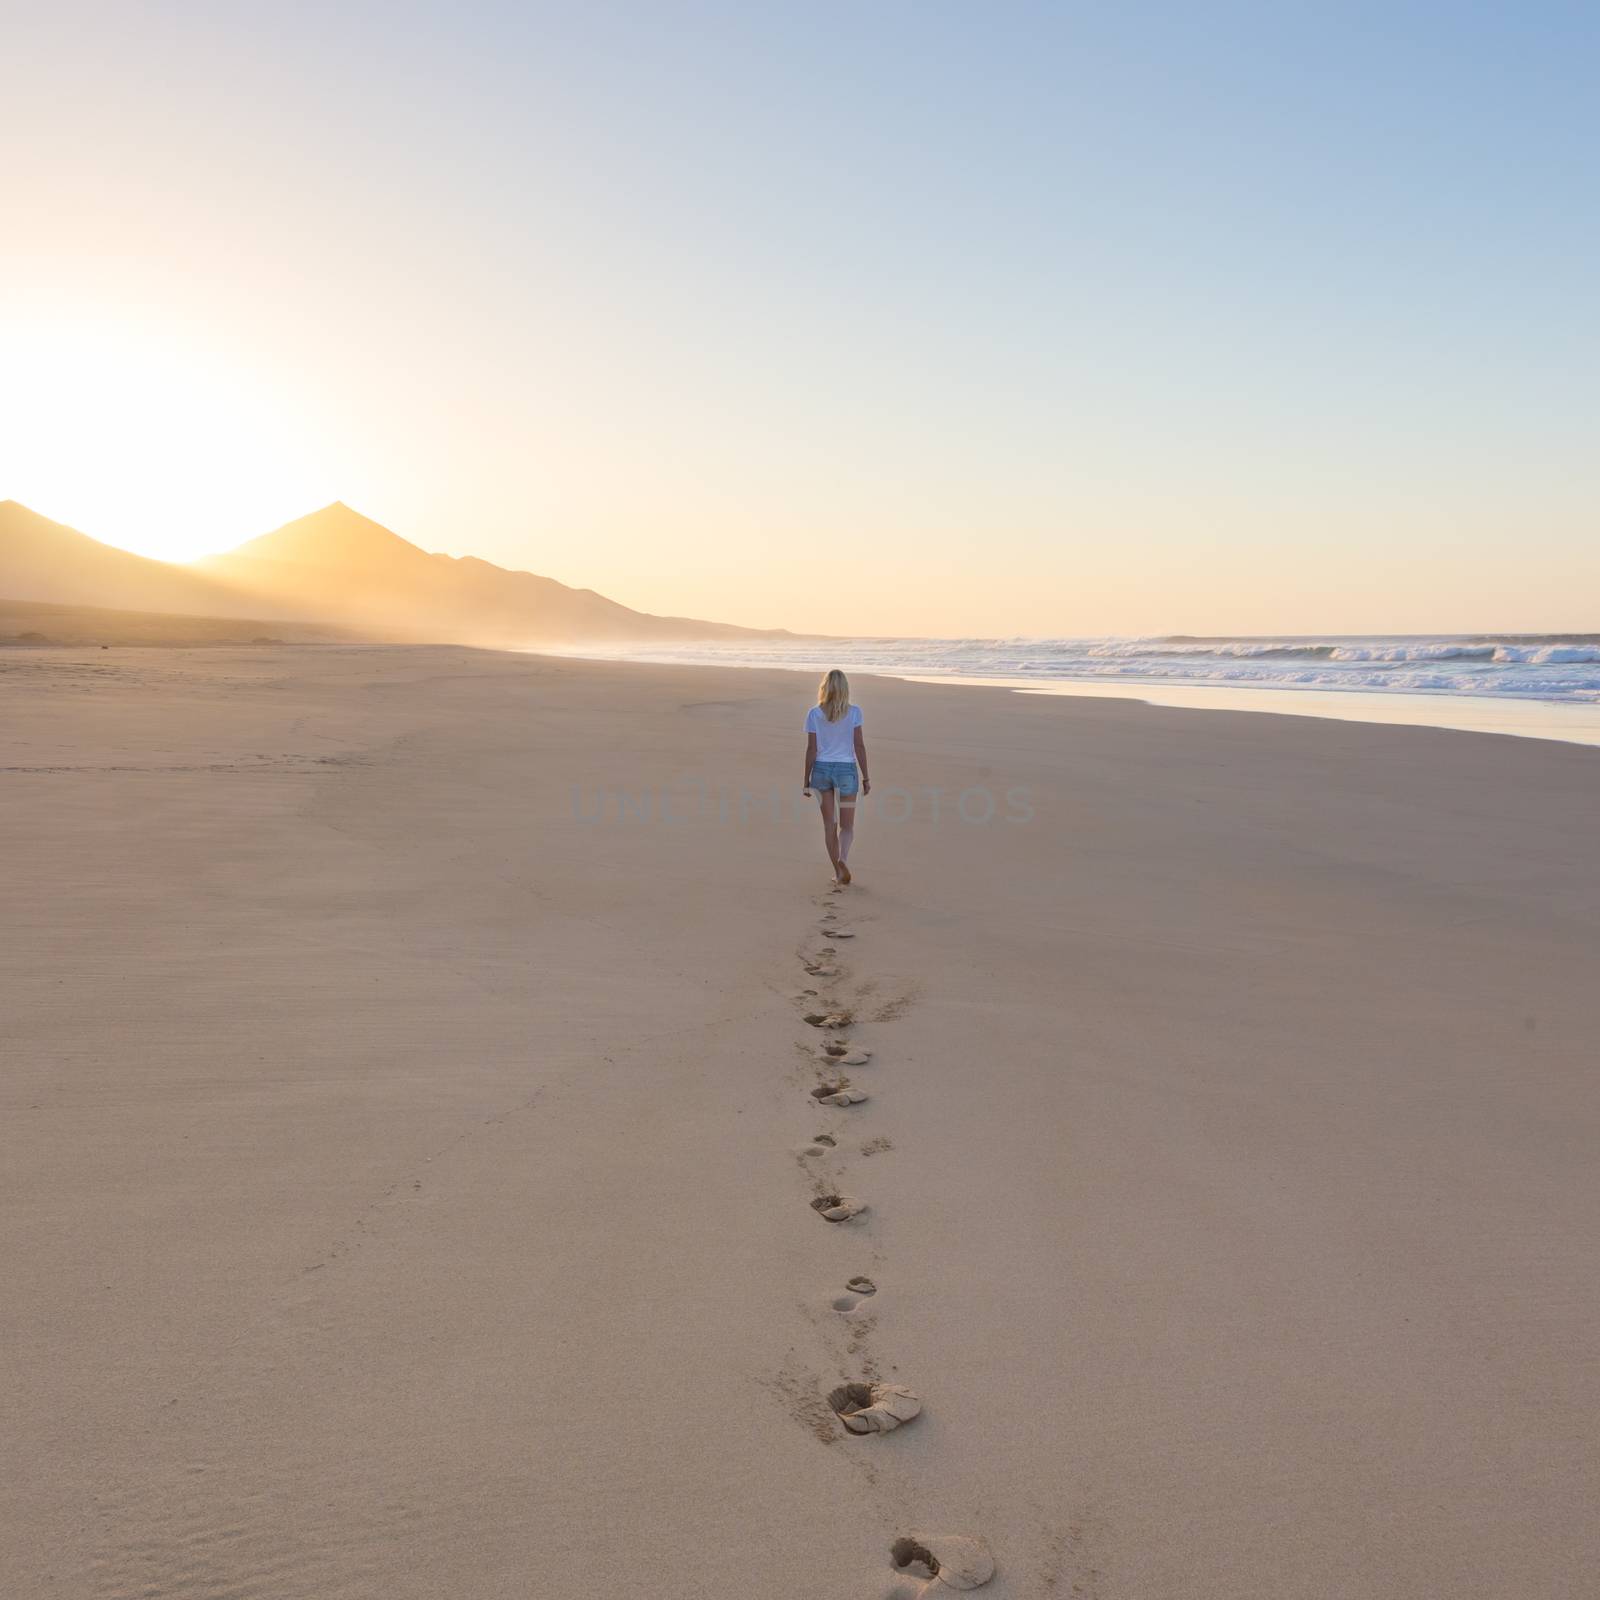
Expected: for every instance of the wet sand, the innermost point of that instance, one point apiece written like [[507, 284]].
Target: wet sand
[[409, 1154]]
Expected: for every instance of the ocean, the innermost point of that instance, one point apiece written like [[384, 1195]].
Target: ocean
[[1544, 666], [1542, 685]]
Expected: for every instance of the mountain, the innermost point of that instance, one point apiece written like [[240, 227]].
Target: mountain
[[338, 565], [45, 560], [335, 568]]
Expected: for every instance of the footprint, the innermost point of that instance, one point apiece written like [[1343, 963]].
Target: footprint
[[874, 1407], [838, 1094], [956, 1561], [841, 933], [840, 1049], [860, 1288], [824, 1138], [838, 1207], [913, 1558], [828, 1019]]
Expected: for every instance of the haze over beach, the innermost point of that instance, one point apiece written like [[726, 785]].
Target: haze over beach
[[512, 1087]]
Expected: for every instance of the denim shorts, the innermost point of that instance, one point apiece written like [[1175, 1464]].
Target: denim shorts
[[840, 775]]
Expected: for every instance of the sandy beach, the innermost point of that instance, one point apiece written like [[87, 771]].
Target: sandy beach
[[409, 1140]]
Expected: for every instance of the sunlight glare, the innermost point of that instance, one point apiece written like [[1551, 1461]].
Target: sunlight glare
[[148, 442]]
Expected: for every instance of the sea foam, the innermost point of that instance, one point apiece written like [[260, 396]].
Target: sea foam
[[1552, 667]]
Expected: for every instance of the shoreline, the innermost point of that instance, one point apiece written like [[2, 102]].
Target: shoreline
[[412, 1171], [1526, 717]]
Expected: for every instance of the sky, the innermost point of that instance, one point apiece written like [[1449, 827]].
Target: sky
[[892, 317]]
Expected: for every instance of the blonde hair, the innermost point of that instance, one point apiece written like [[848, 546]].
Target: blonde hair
[[833, 695]]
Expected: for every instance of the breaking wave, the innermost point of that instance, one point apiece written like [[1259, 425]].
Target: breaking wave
[[1562, 667]]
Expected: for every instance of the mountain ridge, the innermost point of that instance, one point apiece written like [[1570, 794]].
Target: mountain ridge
[[44, 560], [335, 567]]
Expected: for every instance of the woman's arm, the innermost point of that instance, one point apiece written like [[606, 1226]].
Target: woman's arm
[[811, 761], [861, 761]]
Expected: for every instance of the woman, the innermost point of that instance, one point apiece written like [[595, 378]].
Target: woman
[[834, 751]]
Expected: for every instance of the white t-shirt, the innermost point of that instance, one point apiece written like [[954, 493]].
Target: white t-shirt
[[836, 741]]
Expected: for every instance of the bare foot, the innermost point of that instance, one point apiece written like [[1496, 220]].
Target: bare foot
[[844, 873]]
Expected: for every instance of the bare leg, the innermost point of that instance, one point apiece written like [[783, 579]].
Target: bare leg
[[847, 833], [830, 831]]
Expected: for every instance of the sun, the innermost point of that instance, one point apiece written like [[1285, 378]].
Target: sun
[[146, 440]]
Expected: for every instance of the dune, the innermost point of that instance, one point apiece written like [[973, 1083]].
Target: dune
[[31, 622], [417, 1184]]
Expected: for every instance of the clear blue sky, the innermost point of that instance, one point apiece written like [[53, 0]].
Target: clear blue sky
[[933, 317]]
